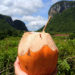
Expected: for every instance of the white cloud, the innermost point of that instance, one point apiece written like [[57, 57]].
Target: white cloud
[[20, 7], [33, 18], [38, 21]]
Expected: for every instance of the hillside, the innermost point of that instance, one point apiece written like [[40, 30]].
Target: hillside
[[8, 27], [4, 25], [18, 24], [60, 6], [63, 22], [6, 22]]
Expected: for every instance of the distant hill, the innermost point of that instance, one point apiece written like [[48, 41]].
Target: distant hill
[[60, 6], [63, 22], [17, 24], [8, 27]]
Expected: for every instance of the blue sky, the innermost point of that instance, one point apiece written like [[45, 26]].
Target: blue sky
[[34, 13]]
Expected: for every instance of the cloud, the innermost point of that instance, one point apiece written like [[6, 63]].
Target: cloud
[[33, 18], [34, 21], [20, 7]]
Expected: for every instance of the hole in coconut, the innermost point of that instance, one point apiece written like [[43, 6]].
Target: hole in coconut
[[26, 67], [29, 52], [40, 36]]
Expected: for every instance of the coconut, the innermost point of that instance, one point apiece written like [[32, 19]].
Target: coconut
[[37, 53]]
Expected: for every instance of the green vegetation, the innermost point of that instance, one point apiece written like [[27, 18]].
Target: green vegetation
[[8, 53], [4, 25], [63, 22], [7, 27], [72, 36], [71, 3], [66, 60]]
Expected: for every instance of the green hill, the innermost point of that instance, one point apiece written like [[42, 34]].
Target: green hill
[[8, 27], [63, 22], [4, 25]]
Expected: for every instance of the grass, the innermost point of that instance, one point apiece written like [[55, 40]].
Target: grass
[[8, 54]]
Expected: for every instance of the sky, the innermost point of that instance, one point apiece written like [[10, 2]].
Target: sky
[[34, 13]]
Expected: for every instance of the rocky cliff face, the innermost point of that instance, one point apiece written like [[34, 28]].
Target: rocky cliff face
[[60, 7]]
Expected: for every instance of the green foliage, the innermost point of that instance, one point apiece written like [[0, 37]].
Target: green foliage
[[8, 54], [6, 29], [7, 33], [72, 36], [66, 62], [64, 65]]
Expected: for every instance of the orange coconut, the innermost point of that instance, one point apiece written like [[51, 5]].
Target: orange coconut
[[37, 53]]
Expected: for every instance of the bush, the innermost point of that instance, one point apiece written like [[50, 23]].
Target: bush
[[72, 36]]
